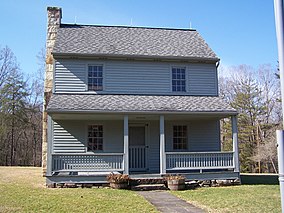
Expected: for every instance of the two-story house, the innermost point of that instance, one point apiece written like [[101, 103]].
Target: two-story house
[[134, 100]]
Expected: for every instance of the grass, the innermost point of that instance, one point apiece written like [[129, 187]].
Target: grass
[[22, 190], [244, 198]]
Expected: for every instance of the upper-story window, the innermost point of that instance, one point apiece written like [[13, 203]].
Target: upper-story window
[[178, 79], [95, 77]]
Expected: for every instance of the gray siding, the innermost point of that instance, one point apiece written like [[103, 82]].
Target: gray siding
[[71, 136], [70, 76], [133, 77], [137, 77], [202, 79], [68, 137], [203, 135]]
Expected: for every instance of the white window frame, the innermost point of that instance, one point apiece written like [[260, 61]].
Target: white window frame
[[185, 78], [102, 77]]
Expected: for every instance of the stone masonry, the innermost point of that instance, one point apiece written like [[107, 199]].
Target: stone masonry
[[54, 16]]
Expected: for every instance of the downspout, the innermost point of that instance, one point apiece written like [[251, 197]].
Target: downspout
[[217, 78], [217, 64]]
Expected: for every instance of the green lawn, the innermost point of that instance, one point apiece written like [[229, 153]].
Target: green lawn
[[22, 190], [244, 198]]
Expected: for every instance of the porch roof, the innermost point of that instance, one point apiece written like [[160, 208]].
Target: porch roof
[[137, 104]]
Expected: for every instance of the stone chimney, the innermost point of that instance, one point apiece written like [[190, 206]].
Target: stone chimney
[[54, 15]]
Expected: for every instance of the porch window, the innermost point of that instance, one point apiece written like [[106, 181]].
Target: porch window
[[95, 77], [95, 137], [180, 137], [178, 79]]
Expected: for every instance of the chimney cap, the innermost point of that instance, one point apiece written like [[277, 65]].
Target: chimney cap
[[54, 8]]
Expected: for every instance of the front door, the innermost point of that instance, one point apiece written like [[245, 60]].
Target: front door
[[137, 148]]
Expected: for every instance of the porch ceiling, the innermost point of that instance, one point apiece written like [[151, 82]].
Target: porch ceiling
[[139, 104]]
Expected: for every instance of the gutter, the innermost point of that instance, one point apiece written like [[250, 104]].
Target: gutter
[[54, 111], [134, 57]]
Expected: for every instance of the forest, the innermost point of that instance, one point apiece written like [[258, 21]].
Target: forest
[[254, 92], [21, 98]]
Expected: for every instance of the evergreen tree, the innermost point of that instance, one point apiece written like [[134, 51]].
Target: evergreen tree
[[13, 109]]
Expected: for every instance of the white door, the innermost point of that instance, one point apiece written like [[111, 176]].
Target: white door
[[137, 148]]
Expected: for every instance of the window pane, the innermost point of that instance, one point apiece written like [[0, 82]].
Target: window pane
[[100, 74], [100, 81]]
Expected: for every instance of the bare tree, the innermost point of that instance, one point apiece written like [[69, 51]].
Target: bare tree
[[20, 112], [254, 93]]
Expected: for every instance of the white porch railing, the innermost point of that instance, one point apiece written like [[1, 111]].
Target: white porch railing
[[87, 162], [199, 160], [137, 158]]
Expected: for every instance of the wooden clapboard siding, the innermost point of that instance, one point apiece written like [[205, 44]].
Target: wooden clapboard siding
[[134, 77], [197, 140], [68, 137], [71, 136], [70, 76], [202, 79], [204, 136], [137, 77]]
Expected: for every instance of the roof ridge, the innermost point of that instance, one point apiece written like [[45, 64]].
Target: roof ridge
[[124, 26]]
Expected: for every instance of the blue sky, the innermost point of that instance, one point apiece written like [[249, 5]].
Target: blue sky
[[239, 31]]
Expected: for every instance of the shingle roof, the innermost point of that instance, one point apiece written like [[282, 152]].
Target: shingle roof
[[132, 41], [137, 103]]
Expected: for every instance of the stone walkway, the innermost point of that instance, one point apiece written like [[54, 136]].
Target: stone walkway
[[168, 203]]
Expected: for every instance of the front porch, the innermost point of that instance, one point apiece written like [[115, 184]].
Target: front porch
[[94, 166]]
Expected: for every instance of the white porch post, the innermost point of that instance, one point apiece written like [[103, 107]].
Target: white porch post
[[162, 145], [126, 146], [235, 143]]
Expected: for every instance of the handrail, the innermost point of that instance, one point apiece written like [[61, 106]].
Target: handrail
[[89, 154], [188, 153], [87, 162], [199, 160]]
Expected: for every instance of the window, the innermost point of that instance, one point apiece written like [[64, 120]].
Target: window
[[95, 137], [95, 77], [180, 137], [178, 79]]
